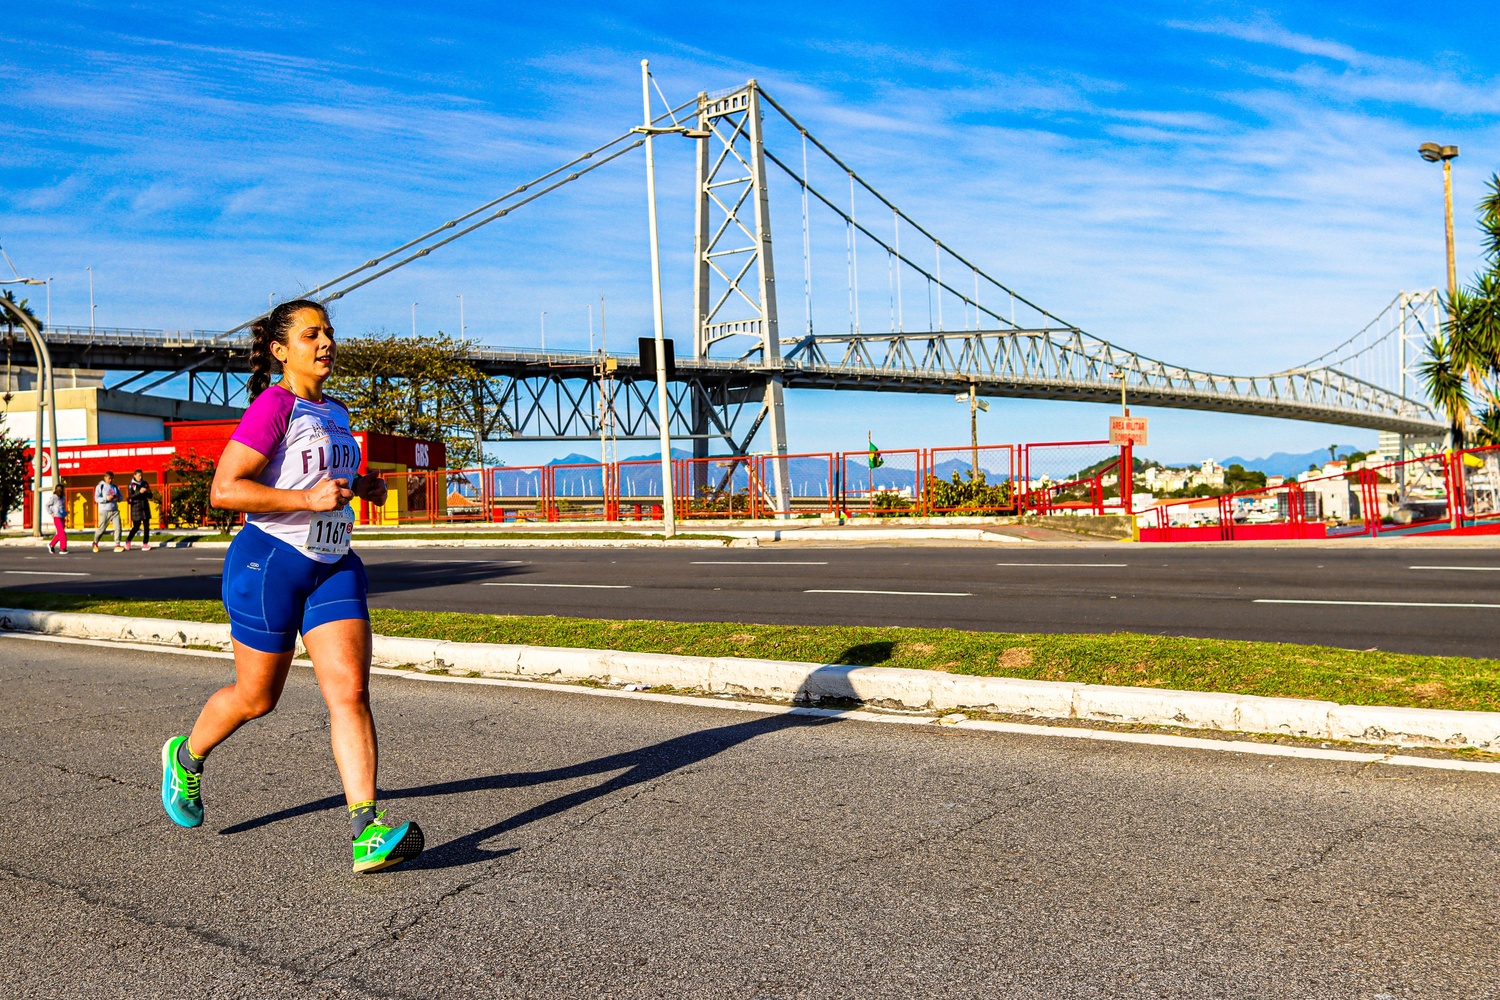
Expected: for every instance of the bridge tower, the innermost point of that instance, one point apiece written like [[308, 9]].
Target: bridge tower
[[734, 291]]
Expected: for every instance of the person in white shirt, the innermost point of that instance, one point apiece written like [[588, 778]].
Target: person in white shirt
[[107, 496]]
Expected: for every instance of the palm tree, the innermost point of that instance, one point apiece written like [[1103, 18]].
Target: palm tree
[[1462, 366], [21, 305]]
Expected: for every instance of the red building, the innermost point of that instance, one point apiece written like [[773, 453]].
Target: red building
[[405, 462]]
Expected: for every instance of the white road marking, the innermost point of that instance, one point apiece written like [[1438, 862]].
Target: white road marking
[[897, 593], [1374, 604], [747, 562], [575, 586], [42, 572], [1110, 565], [208, 558], [1471, 569], [982, 725]]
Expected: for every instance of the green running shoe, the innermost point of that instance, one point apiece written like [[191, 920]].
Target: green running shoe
[[381, 846], [180, 793]]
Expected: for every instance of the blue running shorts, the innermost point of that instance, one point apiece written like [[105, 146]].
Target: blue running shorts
[[272, 591]]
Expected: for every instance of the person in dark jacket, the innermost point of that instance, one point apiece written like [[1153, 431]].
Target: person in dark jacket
[[140, 511]]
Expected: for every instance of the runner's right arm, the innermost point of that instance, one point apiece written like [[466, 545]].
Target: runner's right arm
[[236, 488]]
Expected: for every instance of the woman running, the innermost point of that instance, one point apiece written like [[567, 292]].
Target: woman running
[[291, 467]]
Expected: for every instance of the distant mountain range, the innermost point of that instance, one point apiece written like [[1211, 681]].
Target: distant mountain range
[[1284, 463]]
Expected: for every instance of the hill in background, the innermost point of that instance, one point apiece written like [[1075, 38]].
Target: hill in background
[[1285, 463]]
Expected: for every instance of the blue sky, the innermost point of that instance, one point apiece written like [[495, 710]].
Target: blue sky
[[1226, 186]]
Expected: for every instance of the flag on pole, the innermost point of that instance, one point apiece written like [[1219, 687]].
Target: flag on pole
[[875, 460]]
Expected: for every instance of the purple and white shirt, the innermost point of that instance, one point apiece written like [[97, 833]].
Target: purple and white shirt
[[305, 443]]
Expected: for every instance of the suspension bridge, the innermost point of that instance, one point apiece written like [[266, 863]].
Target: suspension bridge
[[947, 324]]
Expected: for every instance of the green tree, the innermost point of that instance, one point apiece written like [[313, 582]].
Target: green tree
[[15, 474], [193, 478], [421, 387], [1461, 371]]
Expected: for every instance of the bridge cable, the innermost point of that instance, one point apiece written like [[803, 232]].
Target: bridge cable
[[854, 252], [374, 261], [900, 312], [891, 205], [483, 222], [851, 223], [806, 245]]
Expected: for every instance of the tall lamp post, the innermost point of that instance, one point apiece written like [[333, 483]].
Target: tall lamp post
[[46, 397], [663, 405], [1433, 153]]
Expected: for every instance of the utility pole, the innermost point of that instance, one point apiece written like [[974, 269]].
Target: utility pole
[[1434, 153], [414, 319], [461, 327], [663, 408], [975, 405]]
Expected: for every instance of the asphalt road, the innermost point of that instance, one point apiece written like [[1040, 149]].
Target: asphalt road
[[1406, 599], [592, 847]]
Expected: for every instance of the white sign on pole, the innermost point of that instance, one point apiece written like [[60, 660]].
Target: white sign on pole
[[1127, 430]]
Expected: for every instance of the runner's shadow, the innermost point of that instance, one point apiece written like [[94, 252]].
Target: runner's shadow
[[636, 766]]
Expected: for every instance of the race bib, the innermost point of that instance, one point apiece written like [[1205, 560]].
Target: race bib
[[329, 531]]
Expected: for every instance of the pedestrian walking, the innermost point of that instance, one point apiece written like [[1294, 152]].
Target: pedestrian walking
[[57, 509], [107, 498], [139, 495], [291, 466]]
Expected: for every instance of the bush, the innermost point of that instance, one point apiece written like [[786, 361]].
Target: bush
[[970, 495], [889, 503], [711, 501]]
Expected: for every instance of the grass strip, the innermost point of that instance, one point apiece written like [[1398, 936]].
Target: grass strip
[[1258, 668]]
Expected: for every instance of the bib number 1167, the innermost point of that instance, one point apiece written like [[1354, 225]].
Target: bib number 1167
[[329, 531]]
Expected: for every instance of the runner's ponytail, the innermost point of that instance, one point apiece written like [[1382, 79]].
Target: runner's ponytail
[[272, 328]]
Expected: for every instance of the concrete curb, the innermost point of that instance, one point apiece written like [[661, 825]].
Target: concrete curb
[[887, 687]]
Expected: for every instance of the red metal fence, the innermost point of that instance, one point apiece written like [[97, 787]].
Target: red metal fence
[[1078, 477], [1455, 492]]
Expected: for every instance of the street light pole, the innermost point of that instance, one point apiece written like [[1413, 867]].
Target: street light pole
[[1433, 153], [461, 327], [663, 408], [46, 399], [90, 270], [413, 319]]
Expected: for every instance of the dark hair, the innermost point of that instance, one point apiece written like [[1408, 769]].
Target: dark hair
[[272, 328]]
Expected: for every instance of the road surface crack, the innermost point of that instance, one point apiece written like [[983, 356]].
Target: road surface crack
[[139, 917]]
